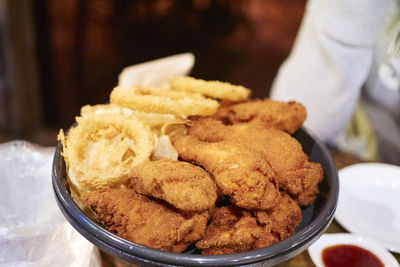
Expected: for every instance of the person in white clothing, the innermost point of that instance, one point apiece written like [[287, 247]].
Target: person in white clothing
[[340, 59]]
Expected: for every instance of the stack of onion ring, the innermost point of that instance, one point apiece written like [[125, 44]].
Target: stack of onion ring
[[110, 139], [163, 101]]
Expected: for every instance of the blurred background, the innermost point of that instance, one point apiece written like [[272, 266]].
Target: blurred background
[[57, 56]]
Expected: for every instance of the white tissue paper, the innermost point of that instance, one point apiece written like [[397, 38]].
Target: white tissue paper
[[33, 231], [157, 72]]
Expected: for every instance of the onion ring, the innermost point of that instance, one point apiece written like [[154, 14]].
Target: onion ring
[[214, 89], [102, 149], [154, 120], [168, 101], [163, 91]]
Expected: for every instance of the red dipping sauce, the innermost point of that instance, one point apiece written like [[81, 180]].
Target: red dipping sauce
[[349, 256]]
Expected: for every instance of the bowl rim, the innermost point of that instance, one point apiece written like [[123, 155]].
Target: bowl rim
[[93, 230]]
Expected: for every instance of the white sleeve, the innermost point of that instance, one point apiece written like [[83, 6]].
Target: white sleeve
[[330, 61]]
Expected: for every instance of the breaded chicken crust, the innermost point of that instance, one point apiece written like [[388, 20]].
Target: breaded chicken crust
[[295, 173], [144, 221], [185, 186], [240, 173], [283, 219], [234, 230], [286, 116]]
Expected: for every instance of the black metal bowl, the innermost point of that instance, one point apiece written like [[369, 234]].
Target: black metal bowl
[[316, 219]]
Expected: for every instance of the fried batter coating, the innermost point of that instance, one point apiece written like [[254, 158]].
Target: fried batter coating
[[286, 116], [295, 173], [154, 120], [233, 229], [102, 149], [185, 186], [281, 220], [144, 221], [240, 173], [165, 101], [214, 89]]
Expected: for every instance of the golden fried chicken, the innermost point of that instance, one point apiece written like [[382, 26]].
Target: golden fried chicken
[[145, 221], [185, 186], [281, 220], [286, 116], [240, 173], [295, 173], [233, 229]]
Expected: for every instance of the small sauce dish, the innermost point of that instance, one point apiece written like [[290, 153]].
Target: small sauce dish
[[317, 250]]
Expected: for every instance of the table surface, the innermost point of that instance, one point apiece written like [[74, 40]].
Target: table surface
[[303, 259]]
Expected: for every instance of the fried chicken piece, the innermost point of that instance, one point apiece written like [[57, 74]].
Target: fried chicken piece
[[185, 186], [295, 173], [240, 173], [144, 221], [286, 116], [281, 220], [233, 229]]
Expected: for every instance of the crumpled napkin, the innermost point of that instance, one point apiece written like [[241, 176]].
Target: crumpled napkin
[[33, 231], [157, 72]]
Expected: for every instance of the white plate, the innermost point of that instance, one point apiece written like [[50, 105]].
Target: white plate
[[328, 240], [369, 202]]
